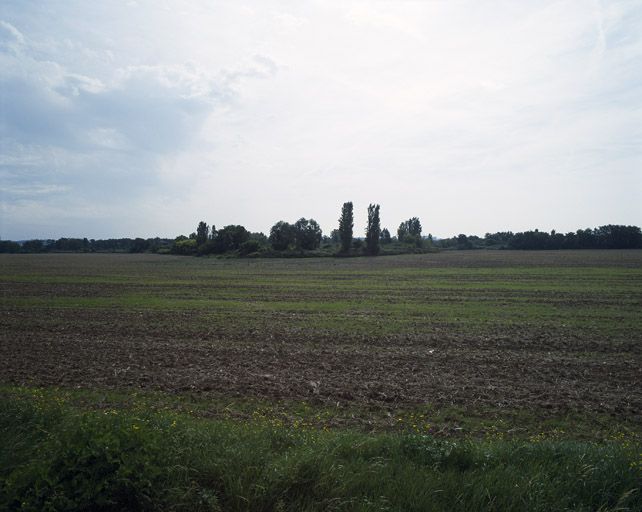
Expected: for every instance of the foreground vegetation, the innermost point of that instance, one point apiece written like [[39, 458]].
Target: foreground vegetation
[[55, 456]]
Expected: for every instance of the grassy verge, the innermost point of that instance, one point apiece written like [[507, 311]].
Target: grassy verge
[[452, 422], [57, 456]]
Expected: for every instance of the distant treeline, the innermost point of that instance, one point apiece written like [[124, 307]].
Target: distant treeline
[[603, 237], [305, 238], [86, 245]]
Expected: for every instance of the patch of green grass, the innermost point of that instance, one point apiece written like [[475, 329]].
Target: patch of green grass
[[409, 293], [55, 456], [444, 422], [278, 278], [355, 315]]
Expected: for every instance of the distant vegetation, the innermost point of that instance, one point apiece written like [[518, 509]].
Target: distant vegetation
[[304, 237], [88, 245], [603, 237]]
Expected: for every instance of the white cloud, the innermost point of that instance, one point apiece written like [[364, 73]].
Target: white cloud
[[11, 39], [109, 138], [475, 117]]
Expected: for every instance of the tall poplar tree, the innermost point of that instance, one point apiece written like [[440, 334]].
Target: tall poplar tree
[[373, 232], [346, 223]]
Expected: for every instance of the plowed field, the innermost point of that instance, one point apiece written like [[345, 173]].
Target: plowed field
[[547, 332]]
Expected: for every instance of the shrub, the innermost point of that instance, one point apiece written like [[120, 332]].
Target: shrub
[[249, 247], [187, 246]]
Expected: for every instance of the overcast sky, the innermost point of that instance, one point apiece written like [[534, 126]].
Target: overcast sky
[[140, 118]]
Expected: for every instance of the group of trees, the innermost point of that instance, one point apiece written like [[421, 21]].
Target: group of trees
[[346, 226], [298, 237], [304, 234], [604, 237], [410, 232], [212, 241]]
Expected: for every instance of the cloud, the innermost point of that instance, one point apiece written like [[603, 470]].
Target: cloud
[[85, 127], [10, 37], [68, 137], [151, 108], [168, 113]]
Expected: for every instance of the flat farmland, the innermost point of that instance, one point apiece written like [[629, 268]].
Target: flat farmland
[[543, 334]]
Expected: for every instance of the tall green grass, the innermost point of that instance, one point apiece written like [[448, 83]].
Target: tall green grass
[[56, 457]]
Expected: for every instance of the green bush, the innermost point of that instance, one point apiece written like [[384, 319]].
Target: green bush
[[249, 247], [87, 462], [187, 246]]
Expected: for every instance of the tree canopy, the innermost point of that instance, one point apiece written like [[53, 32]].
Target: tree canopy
[[202, 233], [281, 236], [307, 234], [409, 231]]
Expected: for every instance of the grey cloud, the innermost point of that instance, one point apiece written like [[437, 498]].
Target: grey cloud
[[67, 133], [155, 109], [69, 139]]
